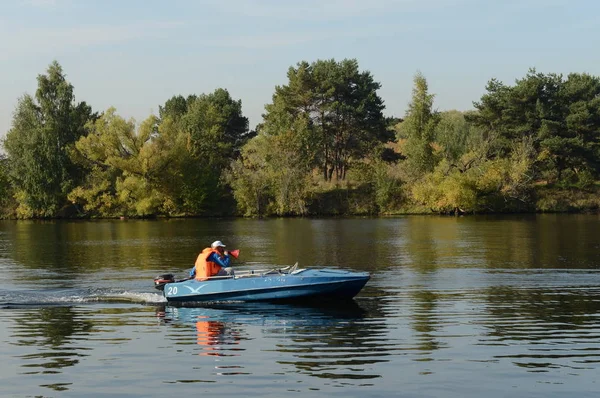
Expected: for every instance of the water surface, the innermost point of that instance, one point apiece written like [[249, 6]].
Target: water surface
[[456, 307]]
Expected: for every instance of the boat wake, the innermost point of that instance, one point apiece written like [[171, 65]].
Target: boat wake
[[11, 299]]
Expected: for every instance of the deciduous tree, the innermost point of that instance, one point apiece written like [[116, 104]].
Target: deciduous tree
[[209, 130], [43, 130], [126, 165]]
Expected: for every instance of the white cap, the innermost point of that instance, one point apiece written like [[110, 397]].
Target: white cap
[[217, 243]]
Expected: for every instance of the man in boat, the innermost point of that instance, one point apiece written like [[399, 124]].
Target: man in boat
[[212, 261]]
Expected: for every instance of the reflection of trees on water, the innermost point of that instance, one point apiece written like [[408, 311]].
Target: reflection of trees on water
[[563, 309], [74, 248], [339, 344], [534, 323], [426, 321], [432, 242], [551, 241], [427, 245], [348, 243], [516, 241], [50, 330]]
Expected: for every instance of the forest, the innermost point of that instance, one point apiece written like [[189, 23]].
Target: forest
[[323, 147]]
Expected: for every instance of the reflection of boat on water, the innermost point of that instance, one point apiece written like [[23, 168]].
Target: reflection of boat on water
[[213, 335], [338, 341], [264, 312], [220, 328], [288, 283]]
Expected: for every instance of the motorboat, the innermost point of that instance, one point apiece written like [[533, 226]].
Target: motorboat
[[278, 284]]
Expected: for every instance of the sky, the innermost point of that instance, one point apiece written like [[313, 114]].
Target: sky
[[136, 54]]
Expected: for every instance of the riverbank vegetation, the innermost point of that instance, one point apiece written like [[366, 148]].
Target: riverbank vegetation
[[323, 147]]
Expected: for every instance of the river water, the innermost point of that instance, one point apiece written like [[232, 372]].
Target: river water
[[503, 306]]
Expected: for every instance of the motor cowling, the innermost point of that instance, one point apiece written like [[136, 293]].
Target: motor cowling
[[161, 280]]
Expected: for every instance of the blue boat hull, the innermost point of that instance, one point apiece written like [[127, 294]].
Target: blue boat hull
[[301, 284]]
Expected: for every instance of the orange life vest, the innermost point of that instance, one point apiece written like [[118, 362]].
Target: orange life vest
[[206, 269]]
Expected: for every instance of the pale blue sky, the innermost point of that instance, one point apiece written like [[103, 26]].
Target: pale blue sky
[[134, 55]]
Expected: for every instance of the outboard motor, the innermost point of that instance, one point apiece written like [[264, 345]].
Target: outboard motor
[[161, 280]]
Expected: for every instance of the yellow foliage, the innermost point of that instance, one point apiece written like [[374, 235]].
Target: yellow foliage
[[446, 190], [23, 210]]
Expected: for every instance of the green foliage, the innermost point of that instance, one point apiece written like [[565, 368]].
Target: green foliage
[[7, 204], [561, 117], [382, 177], [250, 183], [138, 196], [339, 199], [328, 117], [43, 130], [446, 190], [271, 176], [175, 107], [216, 127], [125, 167], [569, 199], [419, 127], [207, 136], [171, 165], [502, 184], [324, 147], [96, 195], [339, 111], [456, 135], [387, 187]]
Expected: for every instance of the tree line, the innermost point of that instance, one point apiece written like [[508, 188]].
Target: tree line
[[323, 147]]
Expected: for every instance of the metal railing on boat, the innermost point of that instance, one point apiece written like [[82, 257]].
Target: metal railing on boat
[[258, 272], [290, 269]]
